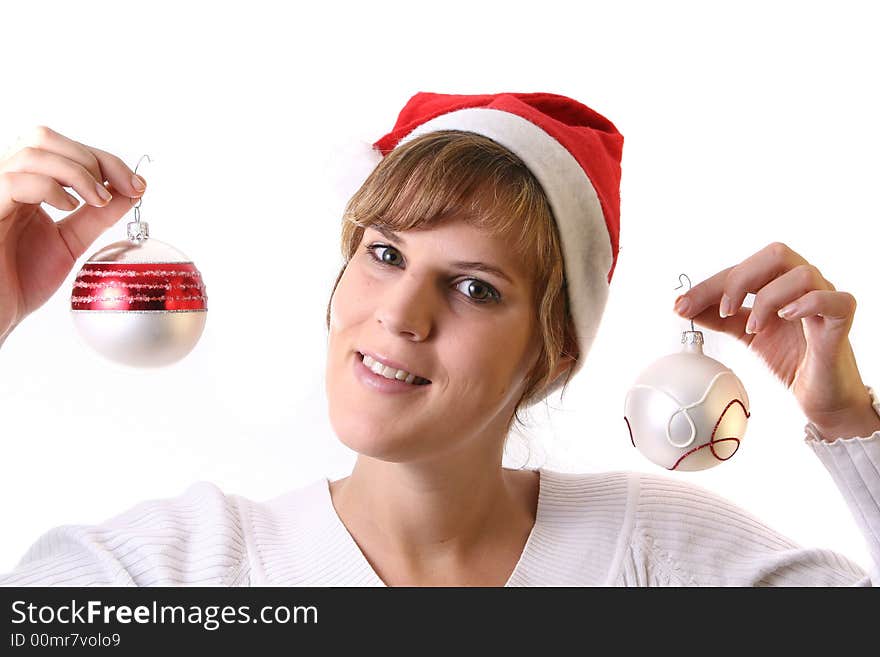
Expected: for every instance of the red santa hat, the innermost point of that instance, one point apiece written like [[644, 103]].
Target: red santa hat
[[572, 150]]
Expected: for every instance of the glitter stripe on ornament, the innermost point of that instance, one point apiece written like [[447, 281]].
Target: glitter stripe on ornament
[[715, 441], [139, 287], [134, 299], [136, 286], [149, 272]]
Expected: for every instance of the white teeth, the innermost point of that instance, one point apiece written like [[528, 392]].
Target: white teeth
[[388, 372]]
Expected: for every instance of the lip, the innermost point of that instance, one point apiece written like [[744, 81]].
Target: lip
[[391, 363], [380, 383]]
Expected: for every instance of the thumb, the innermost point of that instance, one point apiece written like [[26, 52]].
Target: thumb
[[82, 227], [734, 325]]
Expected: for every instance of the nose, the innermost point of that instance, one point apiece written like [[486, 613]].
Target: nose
[[405, 306]]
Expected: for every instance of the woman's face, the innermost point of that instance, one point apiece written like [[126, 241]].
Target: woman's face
[[440, 319]]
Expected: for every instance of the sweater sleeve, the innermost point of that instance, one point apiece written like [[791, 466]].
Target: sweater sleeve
[[854, 465], [684, 535], [192, 539]]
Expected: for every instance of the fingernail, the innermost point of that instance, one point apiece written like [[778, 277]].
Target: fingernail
[[103, 193], [750, 325], [682, 305], [724, 307], [790, 309], [138, 183]]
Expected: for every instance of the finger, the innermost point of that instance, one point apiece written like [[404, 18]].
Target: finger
[[829, 304], [32, 188], [102, 165], [81, 228], [730, 286], [781, 291], [117, 173], [67, 172], [46, 139], [700, 296]]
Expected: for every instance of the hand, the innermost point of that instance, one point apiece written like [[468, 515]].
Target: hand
[[37, 254], [806, 348]]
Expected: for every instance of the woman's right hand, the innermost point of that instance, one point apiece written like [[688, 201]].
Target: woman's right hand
[[36, 253]]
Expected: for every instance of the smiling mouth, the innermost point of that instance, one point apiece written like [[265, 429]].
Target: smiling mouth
[[416, 380]]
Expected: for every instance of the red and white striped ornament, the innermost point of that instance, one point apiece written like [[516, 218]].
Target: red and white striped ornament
[[139, 301]]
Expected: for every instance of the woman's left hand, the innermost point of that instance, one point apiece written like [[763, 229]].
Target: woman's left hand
[[799, 325]]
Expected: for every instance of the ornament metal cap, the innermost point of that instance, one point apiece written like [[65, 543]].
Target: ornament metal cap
[[138, 231], [692, 340]]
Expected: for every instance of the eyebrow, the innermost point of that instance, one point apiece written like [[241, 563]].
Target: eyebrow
[[464, 264]]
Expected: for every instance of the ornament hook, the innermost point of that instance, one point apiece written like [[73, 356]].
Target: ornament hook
[[689, 287], [140, 200], [138, 230]]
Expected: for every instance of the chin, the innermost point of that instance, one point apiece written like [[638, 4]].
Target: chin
[[377, 443]]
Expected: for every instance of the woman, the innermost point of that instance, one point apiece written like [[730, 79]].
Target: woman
[[477, 260]]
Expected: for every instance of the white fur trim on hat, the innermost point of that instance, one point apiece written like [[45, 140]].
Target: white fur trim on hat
[[349, 165]]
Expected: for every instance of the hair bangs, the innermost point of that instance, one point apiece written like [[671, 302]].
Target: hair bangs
[[432, 181]]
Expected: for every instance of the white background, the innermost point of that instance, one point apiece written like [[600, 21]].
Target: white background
[[743, 126]]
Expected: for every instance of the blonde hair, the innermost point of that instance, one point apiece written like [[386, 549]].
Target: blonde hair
[[462, 174]]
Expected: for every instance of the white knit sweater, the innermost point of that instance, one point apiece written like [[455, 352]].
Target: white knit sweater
[[610, 529]]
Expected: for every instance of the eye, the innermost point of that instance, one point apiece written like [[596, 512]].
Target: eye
[[371, 250], [491, 294]]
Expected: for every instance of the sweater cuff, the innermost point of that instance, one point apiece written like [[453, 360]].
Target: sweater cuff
[[813, 435], [854, 465]]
